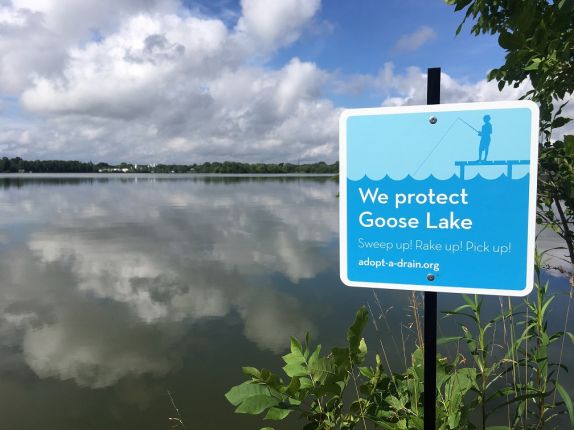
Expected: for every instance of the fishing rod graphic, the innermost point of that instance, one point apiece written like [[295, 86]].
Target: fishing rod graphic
[[478, 131]]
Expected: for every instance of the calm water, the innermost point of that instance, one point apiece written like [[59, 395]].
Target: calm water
[[118, 289]]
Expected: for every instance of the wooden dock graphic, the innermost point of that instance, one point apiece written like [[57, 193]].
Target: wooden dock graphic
[[508, 163]]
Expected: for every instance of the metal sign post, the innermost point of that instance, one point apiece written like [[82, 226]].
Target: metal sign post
[[430, 305]]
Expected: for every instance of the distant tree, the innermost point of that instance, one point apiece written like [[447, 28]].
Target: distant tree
[[226, 167], [4, 164]]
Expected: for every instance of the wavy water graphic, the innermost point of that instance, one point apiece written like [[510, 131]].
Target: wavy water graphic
[[478, 178]]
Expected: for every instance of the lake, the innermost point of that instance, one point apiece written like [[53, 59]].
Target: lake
[[121, 293]]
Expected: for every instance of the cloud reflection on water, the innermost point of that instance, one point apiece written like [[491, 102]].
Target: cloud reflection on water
[[102, 282]]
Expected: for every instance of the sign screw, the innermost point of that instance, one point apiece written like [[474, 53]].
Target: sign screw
[[430, 277], [433, 119]]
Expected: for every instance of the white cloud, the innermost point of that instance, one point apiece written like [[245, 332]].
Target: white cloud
[[413, 41], [127, 73], [272, 24], [154, 82], [409, 88], [75, 22], [36, 35], [96, 353], [116, 301], [164, 85]]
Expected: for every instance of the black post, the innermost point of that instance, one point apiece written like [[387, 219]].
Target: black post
[[433, 98]]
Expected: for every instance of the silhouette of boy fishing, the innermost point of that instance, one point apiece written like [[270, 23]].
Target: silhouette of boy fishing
[[484, 134], [484, 138]]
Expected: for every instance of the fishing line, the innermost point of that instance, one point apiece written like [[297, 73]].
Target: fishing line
[[440, 141], [435, 147]]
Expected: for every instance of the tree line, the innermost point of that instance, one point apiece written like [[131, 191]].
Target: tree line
[[17, 164]]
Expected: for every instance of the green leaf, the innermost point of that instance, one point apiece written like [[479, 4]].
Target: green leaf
[[402, 424], [560, 121], [295, 361], [453, 419], [444, 340], [329, 389], [251, 371], [305, 383], [567, 402], [461, 4], [545, 306], [315, 356], [459, 28], [363, 347], [463, 380], [533, 65], [366, 372], [293, 386], [395, 403], [256, 404], [243, 391], [296, 346], [277, 414], [294, 369], [354, 334], [321, 369], [508, 40], [341, 356], [271, 379]]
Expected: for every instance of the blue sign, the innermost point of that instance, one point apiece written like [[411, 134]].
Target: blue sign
[[440, 197]]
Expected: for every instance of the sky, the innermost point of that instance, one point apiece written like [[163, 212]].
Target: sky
[[185, 81]]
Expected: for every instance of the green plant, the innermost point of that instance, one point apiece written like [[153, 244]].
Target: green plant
[[337, 391], [480, 345], [316, 386], [535, 397]]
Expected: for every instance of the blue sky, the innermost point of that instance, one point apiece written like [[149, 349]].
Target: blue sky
[[249, 80], [360, 36], [364, 34]]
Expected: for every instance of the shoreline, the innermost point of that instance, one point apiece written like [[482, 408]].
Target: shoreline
[[134, 174]]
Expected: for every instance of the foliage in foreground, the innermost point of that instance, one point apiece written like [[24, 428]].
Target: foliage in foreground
[[516, 384]]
